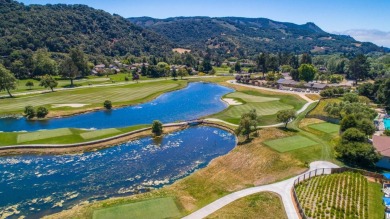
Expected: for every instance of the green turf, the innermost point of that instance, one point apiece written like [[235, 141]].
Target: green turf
[[33, 136], [266, 106], [326, 127], [99, 133], [151, 209], [290, 143], [251, 98], [375, 207], [94, 96], [50, 136]]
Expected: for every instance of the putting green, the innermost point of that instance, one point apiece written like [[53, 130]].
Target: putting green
[[156, 208], [251, 98], [99, 133], [290, 143], [265, 108], [326, 127], [34, 136]]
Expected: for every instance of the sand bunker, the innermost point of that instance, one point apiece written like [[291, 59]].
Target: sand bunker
[[232, 102], [73, 105]]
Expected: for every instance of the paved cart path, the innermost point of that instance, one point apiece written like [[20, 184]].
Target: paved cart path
[[283, 189]]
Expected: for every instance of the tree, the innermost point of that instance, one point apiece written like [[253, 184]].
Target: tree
[[80, 61], [43, 64], [69, 70], [353, 134], [367, 126], [261, 63], [307, 72], [107, 104], [157, 128], [306, 59], [29, 84], [182, 72], [272, 63], [351, 97], [359, 68], [383, 94], [207, 63], [174, 73], [135, 76], [358, 153], [19, 69], [349, 121], [7, 80], [285, 116], [294, 74], [48, 81], [144, 71], [29, 112], [248, 123], [42, 112], [237, 67]]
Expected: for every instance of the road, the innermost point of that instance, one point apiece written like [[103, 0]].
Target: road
[[283, 189]]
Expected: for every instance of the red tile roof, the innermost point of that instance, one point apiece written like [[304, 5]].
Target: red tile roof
[[382, 144]]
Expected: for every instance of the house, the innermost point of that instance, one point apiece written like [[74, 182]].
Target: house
[[287, 82], [382, 145], [100, 67]]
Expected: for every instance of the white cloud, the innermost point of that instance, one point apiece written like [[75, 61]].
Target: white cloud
[[378, 37]]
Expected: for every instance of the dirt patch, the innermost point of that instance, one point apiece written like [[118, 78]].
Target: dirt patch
[[181, 50], [72, 105]]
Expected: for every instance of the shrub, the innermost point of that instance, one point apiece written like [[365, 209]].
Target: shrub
[[107, 104], [157, 128], [387, 132], [42, 112], [29, 84], [29, 111]]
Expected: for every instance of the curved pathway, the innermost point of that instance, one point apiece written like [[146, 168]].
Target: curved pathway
[[283, 189], [302, 95]]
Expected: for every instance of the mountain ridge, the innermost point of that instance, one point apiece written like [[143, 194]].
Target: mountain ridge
[[251, 35]]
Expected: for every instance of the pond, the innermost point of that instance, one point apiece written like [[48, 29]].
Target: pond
[[195, 101], [37, 185]]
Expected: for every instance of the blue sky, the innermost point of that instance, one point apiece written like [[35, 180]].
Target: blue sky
[[343, 16]]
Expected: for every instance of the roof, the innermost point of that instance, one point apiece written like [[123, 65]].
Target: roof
[[287, 82], [319, 86], [382, 144], [100, 66]]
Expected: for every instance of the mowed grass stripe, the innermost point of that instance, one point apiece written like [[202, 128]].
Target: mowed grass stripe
[[34, 136], [326, 127], [268, 108], [86, 96], [99, 133], [155, 208], [290, 143], [251, 98]]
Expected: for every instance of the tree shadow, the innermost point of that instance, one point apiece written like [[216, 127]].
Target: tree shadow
[[291, 130]]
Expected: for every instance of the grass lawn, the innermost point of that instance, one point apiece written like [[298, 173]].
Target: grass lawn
[[266, 204], [326, 127], [61, 136], [266, 103], [290, 143], [375, 205], [34, 136], [93, 96], [155, 208], [99, 133], [319, 110]]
